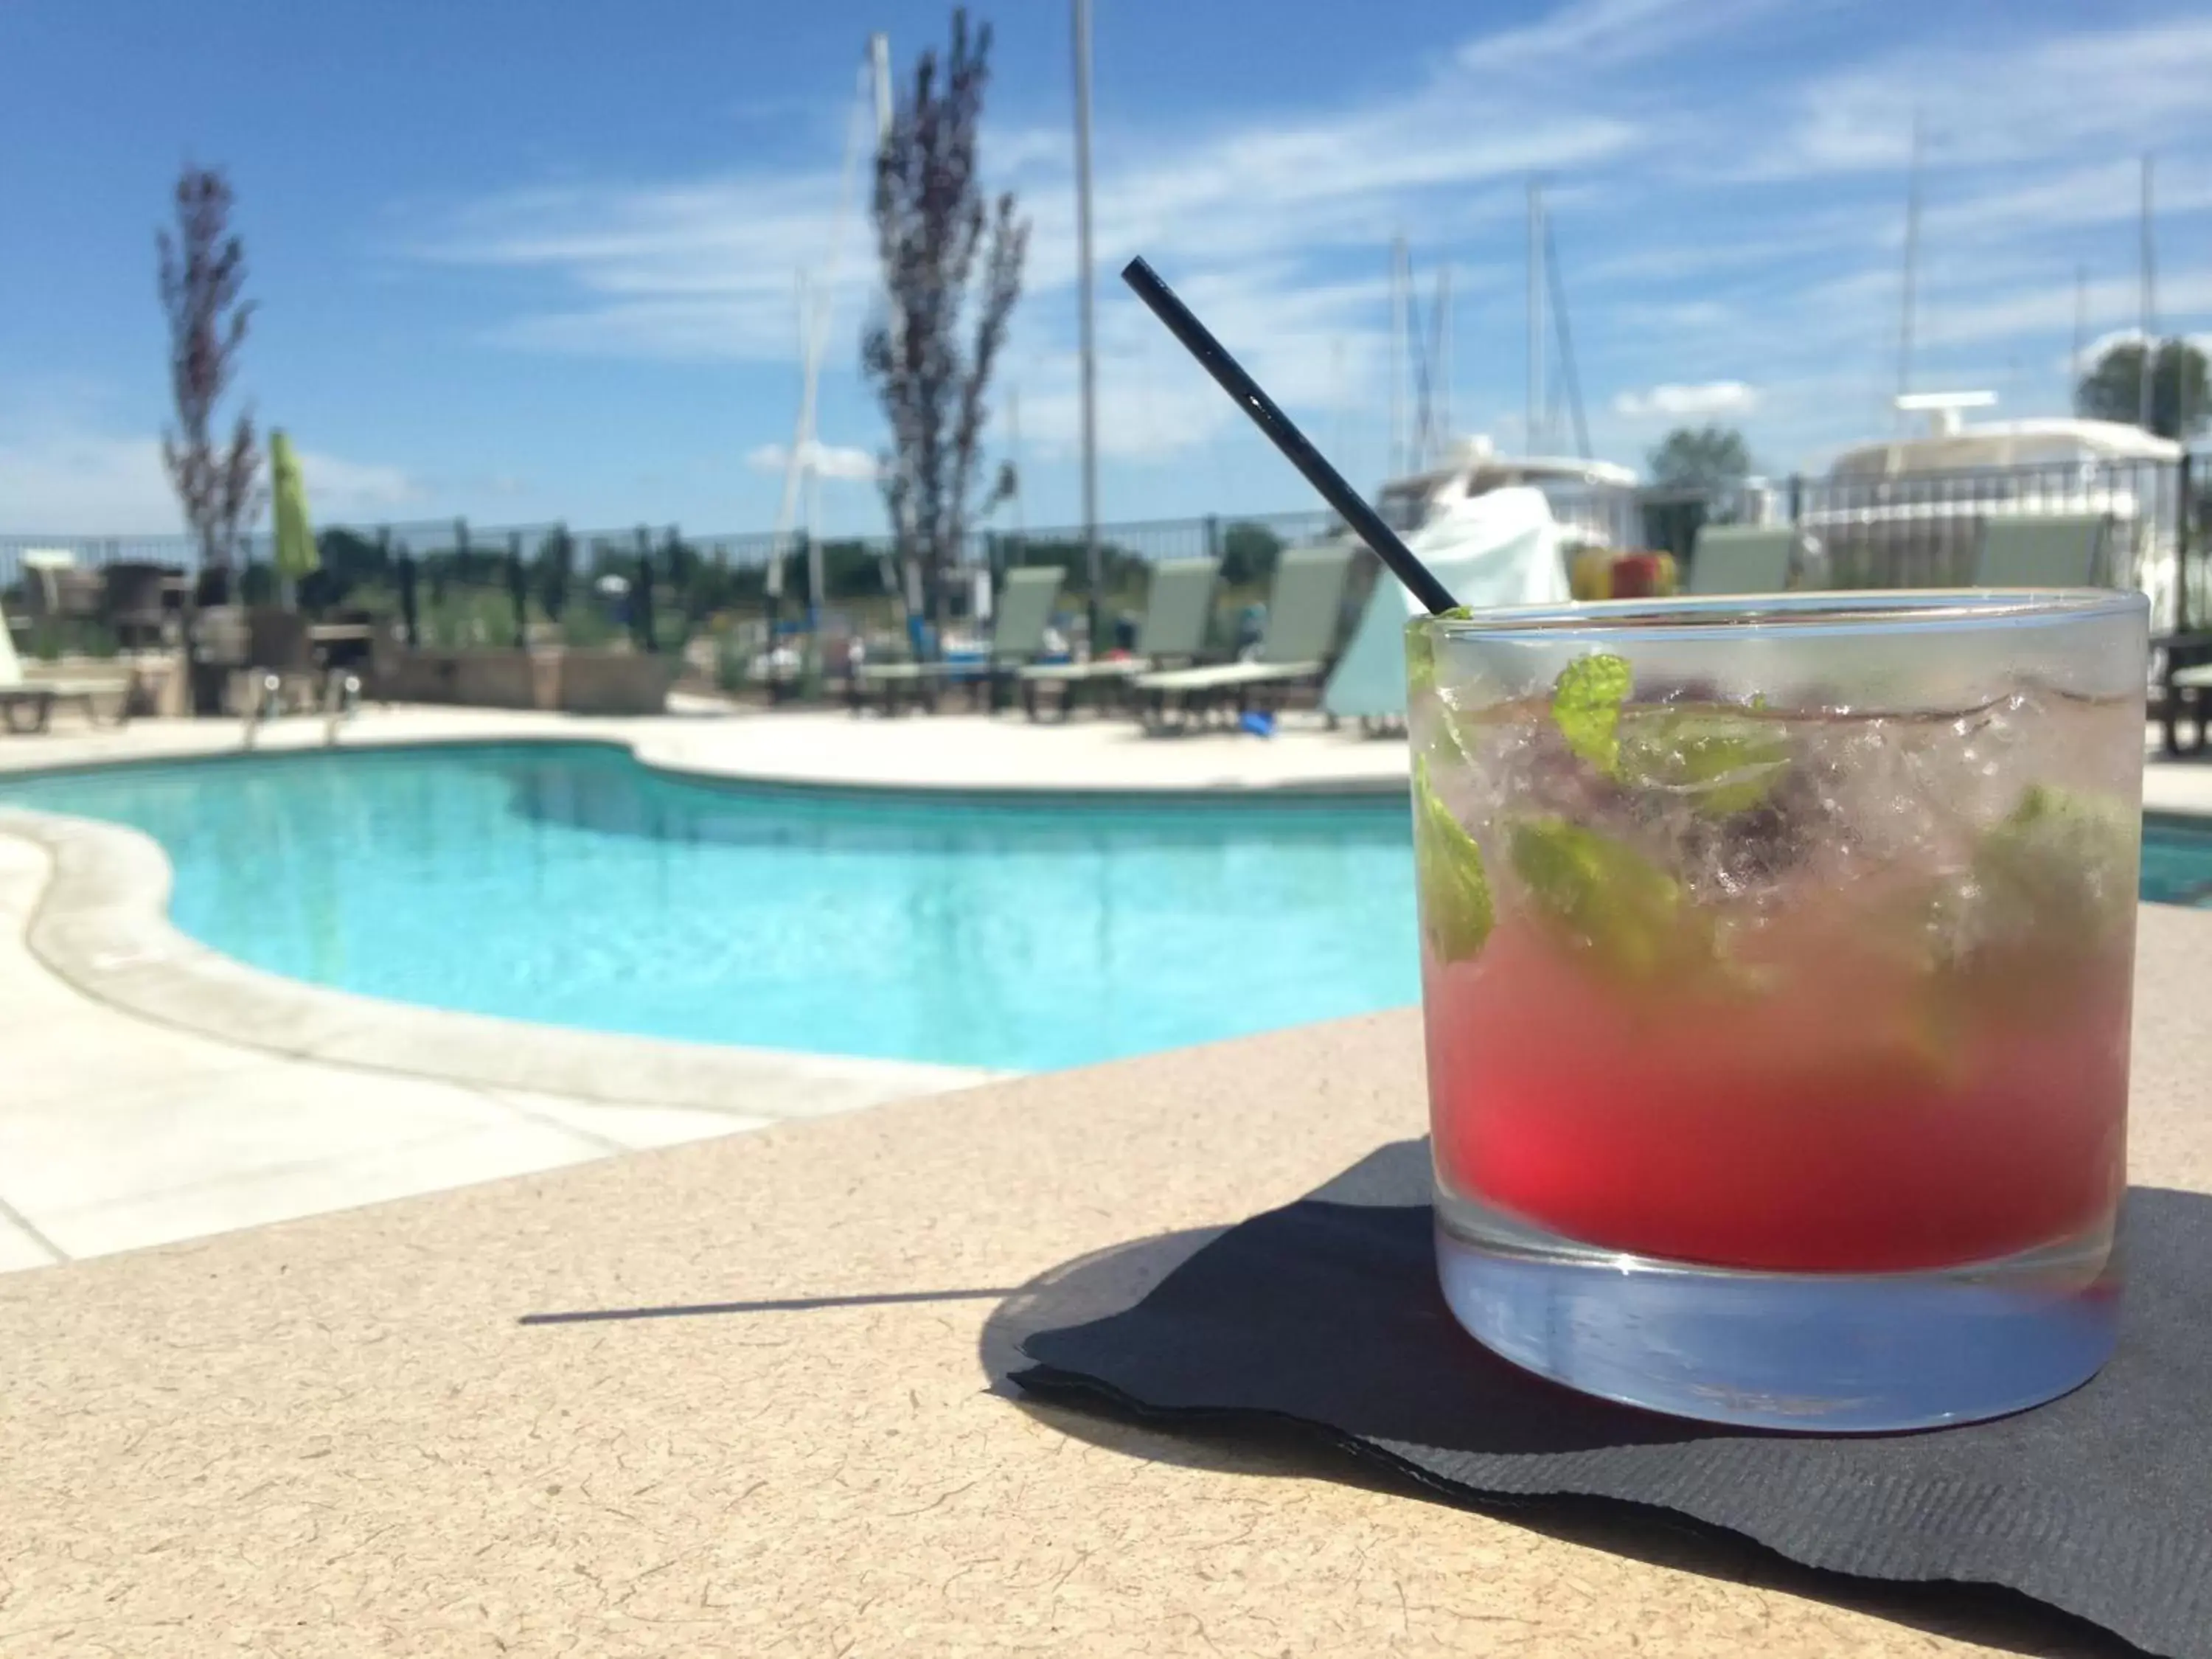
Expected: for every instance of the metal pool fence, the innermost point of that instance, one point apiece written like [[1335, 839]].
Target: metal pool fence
[[1922, 530], [489, 583]]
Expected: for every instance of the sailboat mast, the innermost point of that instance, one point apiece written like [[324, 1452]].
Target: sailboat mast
[[1418, 334], [2081, 326], [1911, 270], [1400, 302], [1021, 466], [1091, 563], [1567, 370], [2147, 373], [1444, 355], [1336, 395], [1528, 427]]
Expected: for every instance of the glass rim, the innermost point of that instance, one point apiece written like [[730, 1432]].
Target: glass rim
[[1827, 611]]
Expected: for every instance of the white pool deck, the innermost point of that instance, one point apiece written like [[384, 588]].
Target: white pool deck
[[151, 1092]]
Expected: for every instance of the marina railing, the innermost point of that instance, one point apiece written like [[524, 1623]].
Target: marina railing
[[466, 584]]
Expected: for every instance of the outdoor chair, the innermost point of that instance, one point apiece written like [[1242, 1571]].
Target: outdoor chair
[[1739, 559], [1502, 548], [1178, 606], [27, 705], [55, 590], [1305, 613], [1026, 596], [2183, 687], [133, 603], [2041, 550]]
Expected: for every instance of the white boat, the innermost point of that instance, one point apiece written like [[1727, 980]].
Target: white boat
[[1904, 511], [1593, 503], [1499, 547]]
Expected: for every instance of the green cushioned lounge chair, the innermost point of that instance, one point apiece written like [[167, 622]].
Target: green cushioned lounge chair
[[1178, 605]]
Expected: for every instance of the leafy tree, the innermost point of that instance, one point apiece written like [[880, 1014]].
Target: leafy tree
[[203, 278], [2180, 404], [930, 358], [1249, 552], [1711, 459], [350, 562], [851, 570], [554, 572], [680, 560], [1119, 570]]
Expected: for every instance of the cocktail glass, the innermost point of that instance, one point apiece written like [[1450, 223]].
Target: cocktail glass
[[1777, 957]]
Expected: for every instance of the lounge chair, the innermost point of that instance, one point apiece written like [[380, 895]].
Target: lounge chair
[[20, 697], [2186, 688], [1739, 559], [1500, 548], [2041, 550], [1178, 605], [1305, 609], [1026, 598]]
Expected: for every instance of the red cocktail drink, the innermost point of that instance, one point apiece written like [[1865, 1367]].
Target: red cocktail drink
[[1833, 1126], [1768, 1030]]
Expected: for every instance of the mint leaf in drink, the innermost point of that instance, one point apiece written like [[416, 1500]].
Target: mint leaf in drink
[[1723, 761], [1420, 660], [1586, 701], [1607, 898], [1421, 648], [1456, 914], [2062, 863]]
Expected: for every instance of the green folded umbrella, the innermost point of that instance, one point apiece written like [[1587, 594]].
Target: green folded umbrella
[[296, 555]]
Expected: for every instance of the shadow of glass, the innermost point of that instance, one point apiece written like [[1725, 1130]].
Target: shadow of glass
[[1114, 1280]]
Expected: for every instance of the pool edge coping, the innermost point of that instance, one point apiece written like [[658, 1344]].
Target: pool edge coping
[[100, 924], [644, 749]]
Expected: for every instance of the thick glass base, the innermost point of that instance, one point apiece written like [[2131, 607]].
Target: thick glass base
[[1826, 1353]]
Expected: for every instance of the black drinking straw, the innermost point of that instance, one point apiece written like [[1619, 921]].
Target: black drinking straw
[[1214, 358]]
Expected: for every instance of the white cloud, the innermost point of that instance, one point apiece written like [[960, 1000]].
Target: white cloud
[[1973, 315], [1685, 266], [76, 483], [1676, 402], [695, 272], [339, 489], [2000, 100], [99, 483], [2094, 349], [830, 460], [2099, 193], [1611, 32], [1252, 219]]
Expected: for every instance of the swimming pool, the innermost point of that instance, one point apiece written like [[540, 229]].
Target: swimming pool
[[570, 884], [2177, 861]]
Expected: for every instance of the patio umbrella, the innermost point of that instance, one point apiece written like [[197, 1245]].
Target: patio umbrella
[[296, 555]]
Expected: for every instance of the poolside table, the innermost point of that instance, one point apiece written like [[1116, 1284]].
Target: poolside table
[[332, 1436], [2185, 688]]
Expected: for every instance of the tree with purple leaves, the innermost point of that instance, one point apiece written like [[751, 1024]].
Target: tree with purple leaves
[[930, 354], [202, 271]]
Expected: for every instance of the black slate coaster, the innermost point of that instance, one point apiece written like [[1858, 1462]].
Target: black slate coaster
[[1326, 1314]]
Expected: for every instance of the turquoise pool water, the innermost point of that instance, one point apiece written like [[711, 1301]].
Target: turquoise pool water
[[570, 885], [2177, 862]]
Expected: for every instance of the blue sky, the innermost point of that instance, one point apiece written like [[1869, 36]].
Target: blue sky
[[537, 263]]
